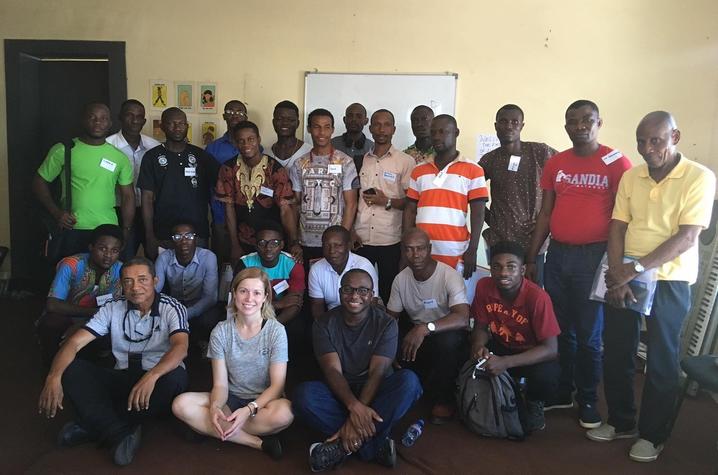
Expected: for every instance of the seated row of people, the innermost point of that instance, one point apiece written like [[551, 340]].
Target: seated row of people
[[363, 394]]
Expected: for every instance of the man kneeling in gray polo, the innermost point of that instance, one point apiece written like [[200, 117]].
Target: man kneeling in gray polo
[[149, 335]]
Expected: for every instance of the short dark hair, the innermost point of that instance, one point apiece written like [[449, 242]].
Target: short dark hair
[[386, 111], [170, 110], [356, 271], [235, 101], [287, 105], [582, 103], [268, 225], [130, 102], [509, 107], [420, 107], [508, 247], [111, 230], [183, 222], [319, 113], [447, 117], [341, 230], [245, 124], [139, 261]]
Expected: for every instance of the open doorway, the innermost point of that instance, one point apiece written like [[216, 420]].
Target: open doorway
[[47, 85]]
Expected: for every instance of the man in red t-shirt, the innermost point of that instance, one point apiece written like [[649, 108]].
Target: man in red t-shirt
[[579, 188], [515, 328]]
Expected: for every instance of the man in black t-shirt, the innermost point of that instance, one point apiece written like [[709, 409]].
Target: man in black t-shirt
[[361, 398], [176, 179]]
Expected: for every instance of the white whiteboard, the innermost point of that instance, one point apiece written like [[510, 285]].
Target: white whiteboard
[[399, 93]]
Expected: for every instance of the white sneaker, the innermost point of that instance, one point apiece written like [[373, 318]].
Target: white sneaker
[[607, 433], [644, 451]]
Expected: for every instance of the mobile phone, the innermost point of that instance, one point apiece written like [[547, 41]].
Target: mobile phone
[[370, 191]]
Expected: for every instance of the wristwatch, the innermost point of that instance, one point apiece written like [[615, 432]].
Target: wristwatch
[[388, 204], [431, 326], [638, 267]]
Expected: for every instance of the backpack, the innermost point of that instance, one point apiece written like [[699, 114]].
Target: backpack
[[490, 406]]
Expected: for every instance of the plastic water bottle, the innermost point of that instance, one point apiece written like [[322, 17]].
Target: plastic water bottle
[[412, 433]]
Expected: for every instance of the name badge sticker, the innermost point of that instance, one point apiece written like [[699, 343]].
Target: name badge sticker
[[514, 162], [190, 171], [609, 158], [103, 299], [335, 168], [390, 177], [430, 303], [108, 165], [263, 190], [280, 287]]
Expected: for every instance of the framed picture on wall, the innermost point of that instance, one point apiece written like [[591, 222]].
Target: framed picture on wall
[[209, 132], [159, 94], [184, 95], [207, 98], [157, 132]]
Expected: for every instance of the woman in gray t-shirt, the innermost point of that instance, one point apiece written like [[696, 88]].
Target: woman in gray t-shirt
[[249, 369]]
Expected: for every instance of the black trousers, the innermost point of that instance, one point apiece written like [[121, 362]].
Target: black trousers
[[541, 378], [438, 361], [99, 396], [386, 259]]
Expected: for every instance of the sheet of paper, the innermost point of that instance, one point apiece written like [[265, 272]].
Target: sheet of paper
[[486, 143]]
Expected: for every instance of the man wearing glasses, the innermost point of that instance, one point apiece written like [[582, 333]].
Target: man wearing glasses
[[326, 273], [148, 332], [222, 150], [189, 274], [362, 397]]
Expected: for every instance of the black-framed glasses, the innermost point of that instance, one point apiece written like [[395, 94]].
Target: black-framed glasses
[[273, 243], [361, 291], [233, 113], [179, 236], [126, 328]]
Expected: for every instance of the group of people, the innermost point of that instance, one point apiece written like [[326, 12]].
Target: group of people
[[366, 248]]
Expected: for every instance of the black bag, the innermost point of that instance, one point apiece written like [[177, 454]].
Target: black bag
[[490, 406], [56, 236]]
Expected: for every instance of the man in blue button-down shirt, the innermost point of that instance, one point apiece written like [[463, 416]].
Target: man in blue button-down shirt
[[189, 274]]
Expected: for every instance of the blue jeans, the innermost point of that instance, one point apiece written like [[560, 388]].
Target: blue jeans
[[623, 327], [317, 406], [568, 277]]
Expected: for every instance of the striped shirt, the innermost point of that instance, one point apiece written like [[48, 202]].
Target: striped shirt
[[443, 198]]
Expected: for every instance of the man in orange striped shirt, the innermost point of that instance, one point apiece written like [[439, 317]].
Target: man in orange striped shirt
[[440, 194]]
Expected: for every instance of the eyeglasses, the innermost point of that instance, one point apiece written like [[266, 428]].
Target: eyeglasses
[[361, 291], [239, 113], [126, 329], [273, 243], [179, 236]]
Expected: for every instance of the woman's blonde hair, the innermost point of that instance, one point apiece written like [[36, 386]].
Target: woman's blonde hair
[[267, 310]]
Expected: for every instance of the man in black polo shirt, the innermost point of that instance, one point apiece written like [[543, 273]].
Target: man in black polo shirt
[[176, 179]]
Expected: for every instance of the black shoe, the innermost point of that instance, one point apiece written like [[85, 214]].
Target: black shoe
[[559, 401], [125, 450], [272, 447], [386, 455], [326, 455], [588, 416], [72, 434], [535, 419]]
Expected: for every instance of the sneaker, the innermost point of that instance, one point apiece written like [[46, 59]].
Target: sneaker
[[560, 401], [124, 452], [535, 418], [272, 447], [386, 454], [72, 434], [588, 416], [326, 455], [607, 433], [441, 414], [645, 451]]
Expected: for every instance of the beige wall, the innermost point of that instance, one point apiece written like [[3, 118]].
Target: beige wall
[[630, 56]]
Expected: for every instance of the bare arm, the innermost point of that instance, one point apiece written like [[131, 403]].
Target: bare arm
[[42, 192], [288, 216], [540, 233], [63, 307], [350, 208], [148, 216], [409, 215], [332, 369], [545, 350], [127, 208], [317, 307], [289, 306], [457, 318], [378, 366]]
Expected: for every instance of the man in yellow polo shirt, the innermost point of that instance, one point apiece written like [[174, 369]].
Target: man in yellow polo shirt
[[660, 210]]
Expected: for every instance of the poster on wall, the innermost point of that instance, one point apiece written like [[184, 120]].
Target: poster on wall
[[184, 95], [209, 132], [207, 98], [157, 132], [159, 94]]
